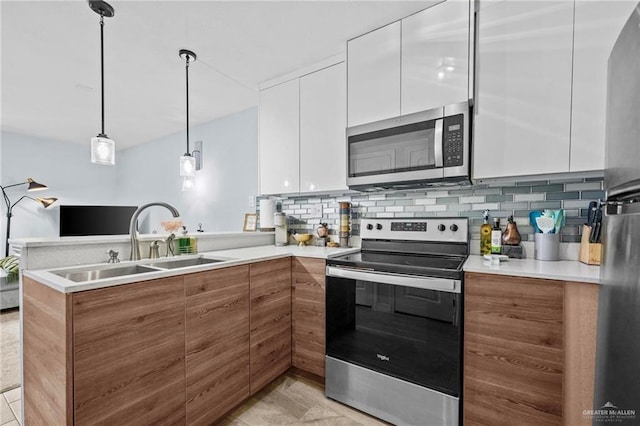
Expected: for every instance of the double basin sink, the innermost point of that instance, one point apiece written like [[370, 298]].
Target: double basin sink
[[83, 275]]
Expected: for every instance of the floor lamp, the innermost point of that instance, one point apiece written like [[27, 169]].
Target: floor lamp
[[33, 186]]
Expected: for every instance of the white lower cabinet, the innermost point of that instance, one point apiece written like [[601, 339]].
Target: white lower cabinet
[[523, 80], [597, 25], [302, 133]]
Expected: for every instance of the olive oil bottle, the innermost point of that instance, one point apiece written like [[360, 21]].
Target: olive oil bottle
[[485, 235], [496, 237]]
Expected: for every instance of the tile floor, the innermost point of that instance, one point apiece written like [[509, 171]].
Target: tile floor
[[10, 407], [290, 400]]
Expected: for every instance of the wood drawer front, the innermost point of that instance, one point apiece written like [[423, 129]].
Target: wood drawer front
[[513, 350], [309, 315], [217, 342], [270, 321], [135, 330]]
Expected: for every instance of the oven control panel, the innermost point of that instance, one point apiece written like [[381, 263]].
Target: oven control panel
[[446, 229]]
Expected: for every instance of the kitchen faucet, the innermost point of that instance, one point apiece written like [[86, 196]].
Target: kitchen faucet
[[133, 232]]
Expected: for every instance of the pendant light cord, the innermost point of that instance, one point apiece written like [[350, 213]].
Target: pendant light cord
[[102, 67], [186, 68]]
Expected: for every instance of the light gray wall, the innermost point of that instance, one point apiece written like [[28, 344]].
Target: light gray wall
[[64, 167], [149, 172], [144, 173]]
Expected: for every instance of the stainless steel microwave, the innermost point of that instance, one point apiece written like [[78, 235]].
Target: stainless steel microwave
[[425, 148]]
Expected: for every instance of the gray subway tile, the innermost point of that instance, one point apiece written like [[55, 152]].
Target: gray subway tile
[[570, 238], [548, 188], [540, 205], [516, 189], [515, 206], [447, 200], [486, 191], [573, 195], [592, 195], [493, 198]]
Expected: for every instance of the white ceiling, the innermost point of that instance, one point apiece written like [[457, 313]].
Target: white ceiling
[[50, 60]]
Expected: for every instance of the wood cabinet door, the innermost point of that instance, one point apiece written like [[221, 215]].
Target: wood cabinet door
[[217, 342], [309, 314], [270, 319], [129, 354], [513, 351]]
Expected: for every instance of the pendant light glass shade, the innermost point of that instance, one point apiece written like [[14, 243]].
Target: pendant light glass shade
[[187, 161], [188, 183], [187, 166], [103, 151]]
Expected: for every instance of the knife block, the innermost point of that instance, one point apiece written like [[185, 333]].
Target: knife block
[[590, 253]]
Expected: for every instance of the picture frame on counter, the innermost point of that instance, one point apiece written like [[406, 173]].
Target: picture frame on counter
[[250, 222]]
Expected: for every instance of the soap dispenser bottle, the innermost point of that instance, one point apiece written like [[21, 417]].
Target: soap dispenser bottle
[[485, 235], [184, 242]]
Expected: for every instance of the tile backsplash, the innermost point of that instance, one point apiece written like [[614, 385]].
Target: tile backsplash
[[502, 200]]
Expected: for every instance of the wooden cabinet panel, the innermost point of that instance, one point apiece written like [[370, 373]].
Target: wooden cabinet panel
[[309, 314], [47, 350], [129, 354], [217, 342], [270, 284], [513, 350]]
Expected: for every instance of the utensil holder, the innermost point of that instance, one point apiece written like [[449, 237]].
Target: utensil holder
[[546, 247], [590, 253]]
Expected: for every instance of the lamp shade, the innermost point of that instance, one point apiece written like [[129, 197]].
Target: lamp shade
[[46, 202], [187, 165], [187, 183], [103, 151], [35, 186]]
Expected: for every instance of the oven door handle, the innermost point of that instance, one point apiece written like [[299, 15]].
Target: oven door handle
[[426, 283]]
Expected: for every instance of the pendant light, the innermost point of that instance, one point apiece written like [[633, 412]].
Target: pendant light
[[187, 161], [103, 149]]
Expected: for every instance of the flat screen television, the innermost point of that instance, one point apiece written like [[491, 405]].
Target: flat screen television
[[78, 221]]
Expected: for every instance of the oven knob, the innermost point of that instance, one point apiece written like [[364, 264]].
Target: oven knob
[[454, 227], [378, 226], [441, 227], [369, 227]]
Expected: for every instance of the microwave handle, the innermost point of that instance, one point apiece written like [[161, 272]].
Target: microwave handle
[[438, 143]]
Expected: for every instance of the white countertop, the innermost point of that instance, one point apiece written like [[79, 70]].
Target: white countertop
[[231, 257], [564, 270]]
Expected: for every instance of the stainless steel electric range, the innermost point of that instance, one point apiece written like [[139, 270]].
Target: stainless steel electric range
[[394, 321]]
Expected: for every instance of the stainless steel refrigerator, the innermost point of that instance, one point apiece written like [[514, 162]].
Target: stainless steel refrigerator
[[617, 387]]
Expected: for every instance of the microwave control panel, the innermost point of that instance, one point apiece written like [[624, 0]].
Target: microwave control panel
[[453, 141]]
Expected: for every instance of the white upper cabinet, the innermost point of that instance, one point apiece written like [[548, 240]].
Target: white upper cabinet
[[323, 118], [597, 25], [373, 75], [435, 57], [279, 128], [523, 83]]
